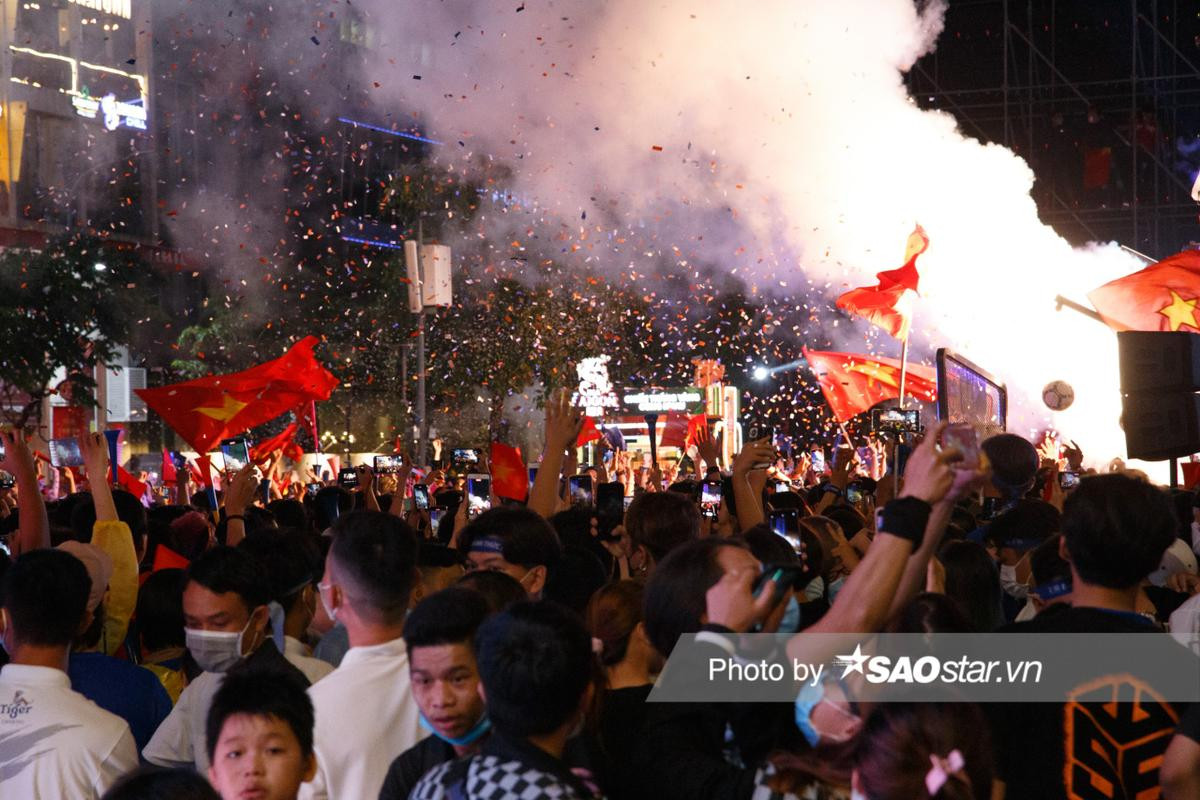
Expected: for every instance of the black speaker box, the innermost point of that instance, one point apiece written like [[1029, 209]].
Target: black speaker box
[[1159, 362], [1161, 425]]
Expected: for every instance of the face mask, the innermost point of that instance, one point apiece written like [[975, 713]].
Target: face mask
[[215, 651], [805, 702], [856, 795], [835, 586], [470, 737], [791, 617]]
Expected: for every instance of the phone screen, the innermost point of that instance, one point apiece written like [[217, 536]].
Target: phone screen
[[65, 453], [1068, 480], [312, 488], [236, 453], [465, 456], [421, 496], [853, 493], [388, 465], [785, 522], [479, 494], [347, 478], [435, 517], [581, 489], [533, 471], [966, 441]]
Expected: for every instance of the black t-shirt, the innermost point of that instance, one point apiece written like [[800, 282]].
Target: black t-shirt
[[411, 765], [1083, 750], [622, 718]]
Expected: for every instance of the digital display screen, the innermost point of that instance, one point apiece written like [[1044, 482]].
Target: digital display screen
[[969, 396]]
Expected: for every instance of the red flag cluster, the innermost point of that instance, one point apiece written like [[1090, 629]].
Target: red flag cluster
[[888, 305], [853, 383], [206, 410]]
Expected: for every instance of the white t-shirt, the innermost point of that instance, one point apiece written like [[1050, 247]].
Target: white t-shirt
[[297, 653], [366, 715], [54, 742], [179, 740]]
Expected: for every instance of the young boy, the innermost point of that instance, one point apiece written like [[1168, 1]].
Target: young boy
[[260, 736], [439, 634]]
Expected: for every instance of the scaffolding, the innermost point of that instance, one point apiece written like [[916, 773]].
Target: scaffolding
[[1101, 97]]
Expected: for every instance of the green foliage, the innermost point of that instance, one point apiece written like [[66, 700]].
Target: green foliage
[[59, 311]]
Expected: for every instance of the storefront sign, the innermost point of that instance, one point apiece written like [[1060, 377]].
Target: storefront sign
[[111, 111], [656, 401]]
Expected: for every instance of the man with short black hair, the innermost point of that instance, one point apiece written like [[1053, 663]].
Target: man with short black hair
[[1115, 530], [225, 611], [439, 634], [536, 666], [513, 540], [54, 742], [366, 712]]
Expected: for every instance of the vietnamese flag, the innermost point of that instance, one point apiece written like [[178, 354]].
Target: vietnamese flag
[[206, 410], [588, 433], [675, 431], [853, 383], [889, 305], [285, 441], [509, 478], [169, 474], [129, 483], [696, 423], [1161, 297]]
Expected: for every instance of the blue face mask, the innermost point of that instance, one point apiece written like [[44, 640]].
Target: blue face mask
[[835, 587], [469, 738], [791, 617], [806, 701]]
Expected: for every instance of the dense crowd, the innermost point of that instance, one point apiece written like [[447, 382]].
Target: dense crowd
[[302, 639]]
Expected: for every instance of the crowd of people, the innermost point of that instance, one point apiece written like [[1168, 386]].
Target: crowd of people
[[338, 644]]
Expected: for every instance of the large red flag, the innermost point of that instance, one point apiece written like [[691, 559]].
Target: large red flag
[[853, 383], [509, 478], [285, 441], [888, 305], [206, 410], [1161, 297]]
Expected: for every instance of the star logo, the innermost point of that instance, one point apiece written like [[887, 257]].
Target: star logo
[[229, 408], [853, 662], [888, 376], [1180, 312]]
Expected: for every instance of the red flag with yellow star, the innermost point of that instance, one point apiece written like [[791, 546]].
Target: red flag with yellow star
[[509, 478], [1161, 297], [206, 410], [889, 305], [852, 383]]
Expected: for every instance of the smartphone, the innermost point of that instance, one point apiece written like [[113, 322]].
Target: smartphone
[[236, 453], [421, 496], [610, 506], [896, 420], [628, 503], [311, 489], [479, 494], [854, 493], [464, 456], [7, 481], [65, 453], [710, 499], [178, 459], [785, 576], [388, 465], [348, 478], [756, 431], [580, 487], [818, 460], [1068, 480], [966, 440], [785, 522], [533, 471], [435, 517], [782, 486]]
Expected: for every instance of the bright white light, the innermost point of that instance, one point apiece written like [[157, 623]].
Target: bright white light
[[100, 266], [761, 373]]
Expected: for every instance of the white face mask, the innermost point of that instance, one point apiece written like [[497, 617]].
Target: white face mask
[[215, 651], [857, 795], [1009, 583]]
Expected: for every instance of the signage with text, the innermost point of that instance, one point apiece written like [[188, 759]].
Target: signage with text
[[657, 401]]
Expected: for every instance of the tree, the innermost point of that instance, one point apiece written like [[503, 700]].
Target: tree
[[68, 306]]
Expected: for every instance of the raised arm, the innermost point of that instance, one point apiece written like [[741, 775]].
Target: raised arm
[[748, 499], [563, 423], [34, 530]]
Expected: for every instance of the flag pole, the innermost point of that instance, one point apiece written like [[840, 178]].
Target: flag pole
[[903, 381]]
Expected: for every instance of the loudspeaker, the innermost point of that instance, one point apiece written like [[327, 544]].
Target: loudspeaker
[[1159, 362], [1161, 425]]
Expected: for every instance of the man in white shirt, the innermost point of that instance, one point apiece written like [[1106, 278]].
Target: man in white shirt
[[54, 742], [366, 714]]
